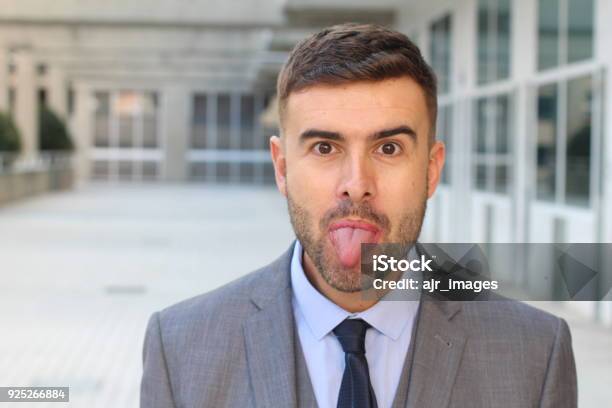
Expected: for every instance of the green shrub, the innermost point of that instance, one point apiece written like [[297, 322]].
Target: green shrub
[[10, 140], [52, 131]]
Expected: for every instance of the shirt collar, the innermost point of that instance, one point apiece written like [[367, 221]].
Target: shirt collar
[[322, 315]]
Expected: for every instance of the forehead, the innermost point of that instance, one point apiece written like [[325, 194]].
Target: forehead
[[358, 107]]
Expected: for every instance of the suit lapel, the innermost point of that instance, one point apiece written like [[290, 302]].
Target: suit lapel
[[269, 339], [438, 349], [270, 345]]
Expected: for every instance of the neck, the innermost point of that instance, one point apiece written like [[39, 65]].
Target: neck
[[353, 302]]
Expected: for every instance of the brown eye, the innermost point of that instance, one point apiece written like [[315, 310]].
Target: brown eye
[[389, 149], [323, 148]]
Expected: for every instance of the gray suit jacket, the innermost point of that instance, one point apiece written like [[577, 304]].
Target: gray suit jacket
[[237, 347]]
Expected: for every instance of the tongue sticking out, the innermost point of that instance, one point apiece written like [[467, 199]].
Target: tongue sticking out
[[347, 243]]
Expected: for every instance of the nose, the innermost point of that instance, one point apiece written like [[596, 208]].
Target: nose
[[357, 179]]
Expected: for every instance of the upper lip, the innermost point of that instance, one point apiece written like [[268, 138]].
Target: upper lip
[[347, 223]]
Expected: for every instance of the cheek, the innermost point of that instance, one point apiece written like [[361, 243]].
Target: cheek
[[314, 178], [403, 184], [312, 191], [401, 192]]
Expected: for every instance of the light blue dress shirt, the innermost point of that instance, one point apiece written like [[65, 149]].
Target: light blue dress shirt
[[386, 342]]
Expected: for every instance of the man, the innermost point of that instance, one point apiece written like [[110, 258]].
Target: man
[[357, 161]]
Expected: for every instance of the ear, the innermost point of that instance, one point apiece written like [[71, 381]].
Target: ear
[[280, 163], [437, 155]]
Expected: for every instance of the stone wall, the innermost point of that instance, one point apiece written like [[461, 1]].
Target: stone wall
[[18, 185]]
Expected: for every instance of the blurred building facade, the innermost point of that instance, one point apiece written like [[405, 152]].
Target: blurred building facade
[[184, 91]]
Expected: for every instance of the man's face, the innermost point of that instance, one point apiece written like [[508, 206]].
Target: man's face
[[356, 167]]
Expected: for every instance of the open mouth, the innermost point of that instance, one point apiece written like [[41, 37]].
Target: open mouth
[[347, 237]]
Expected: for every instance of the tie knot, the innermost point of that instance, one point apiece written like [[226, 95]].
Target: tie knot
[[351, 335]]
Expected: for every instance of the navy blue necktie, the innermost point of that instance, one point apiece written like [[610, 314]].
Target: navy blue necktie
[[356, 390]]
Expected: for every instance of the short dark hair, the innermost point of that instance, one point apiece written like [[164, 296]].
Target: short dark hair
[[356, 52]]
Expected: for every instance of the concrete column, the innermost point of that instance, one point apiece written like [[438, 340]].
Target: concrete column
[[463, 64], [175, 129], [26, 106], [464, 46], [524, 14], [4, 82], [57, 94], [603, 34], [82, 131]]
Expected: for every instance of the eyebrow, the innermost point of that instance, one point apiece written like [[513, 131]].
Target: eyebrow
[[405, 130], [336, 136]]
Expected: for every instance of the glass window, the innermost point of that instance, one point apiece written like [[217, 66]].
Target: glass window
[[224, 118], [237, 120], [198, 126], [484, 36], [580, 27], [150, 170], [247, 172], [137, 116], [126, 107], [565, 32], [101, 119], [100, 169], [199, 171], [578, 152], [503, 38], [223, 172], [492, 147], [150, 109], [501, 144], [440, 52], [126, 131], [481, 125], [502, 123], [127, 119], [481, 177], [548, 34], [547, 142], [247, 122], [572, 149], [493, 40], [501, 178], [125, 170]]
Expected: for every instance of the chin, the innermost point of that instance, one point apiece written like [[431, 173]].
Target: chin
[[340, 277]]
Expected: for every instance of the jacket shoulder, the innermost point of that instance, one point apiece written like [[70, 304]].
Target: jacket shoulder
[[230, 301], [222, 311], [199, 340], [510, 318]]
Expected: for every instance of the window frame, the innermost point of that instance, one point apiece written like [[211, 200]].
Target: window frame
[[561, 79]]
